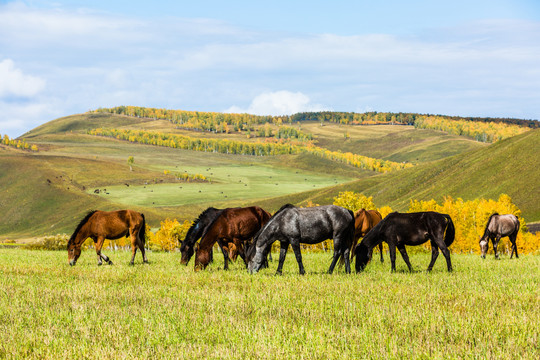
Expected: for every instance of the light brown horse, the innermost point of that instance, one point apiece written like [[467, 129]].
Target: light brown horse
[[232, 230], [365, 220], [497, 227], [100, 225]]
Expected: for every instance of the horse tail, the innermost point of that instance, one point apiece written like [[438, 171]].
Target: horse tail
[[350, 237], [450, 231], [142, 230]]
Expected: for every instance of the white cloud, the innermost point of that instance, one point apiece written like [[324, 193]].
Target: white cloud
[[278, 103], [13, 82]]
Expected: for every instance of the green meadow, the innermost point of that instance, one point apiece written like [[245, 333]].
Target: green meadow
[[233, 182], [485, 309]]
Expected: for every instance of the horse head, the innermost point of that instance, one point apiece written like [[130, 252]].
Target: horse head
[[187, 250], [74, 251], [363, 256]]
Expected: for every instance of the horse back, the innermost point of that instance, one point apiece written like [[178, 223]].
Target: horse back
[[504, 225], [115, 224]]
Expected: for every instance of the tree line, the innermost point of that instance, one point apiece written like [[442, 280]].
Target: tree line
[[226, 146], [469, 217], [17, 143], [481, 129]]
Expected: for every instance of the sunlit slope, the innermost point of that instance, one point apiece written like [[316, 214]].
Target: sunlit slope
[[391, 142], [510, 166]]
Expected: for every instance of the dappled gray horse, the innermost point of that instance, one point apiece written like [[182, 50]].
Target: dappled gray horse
[[312, 225], [499, 226]]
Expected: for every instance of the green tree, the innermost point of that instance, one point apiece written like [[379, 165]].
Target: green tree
[[130, 162]]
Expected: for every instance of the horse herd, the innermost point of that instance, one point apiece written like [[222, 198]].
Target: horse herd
[[249, 232]]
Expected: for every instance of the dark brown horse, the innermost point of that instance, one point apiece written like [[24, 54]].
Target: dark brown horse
[[199, 227], [100, 225], [365, 220], [398, 230], [232, 229], [499, 226]]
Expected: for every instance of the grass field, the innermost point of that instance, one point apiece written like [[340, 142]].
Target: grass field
[[484, 309]]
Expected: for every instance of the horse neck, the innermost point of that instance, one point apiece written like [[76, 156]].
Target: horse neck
[[487, 232], [82, 235], [209, 238], [371, 239]]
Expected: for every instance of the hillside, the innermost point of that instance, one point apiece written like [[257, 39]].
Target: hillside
[[49, 191], [509, 166]]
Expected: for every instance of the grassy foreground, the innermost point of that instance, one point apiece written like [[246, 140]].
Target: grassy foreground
[[485, 309]]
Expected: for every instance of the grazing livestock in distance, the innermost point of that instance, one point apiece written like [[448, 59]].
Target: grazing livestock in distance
[[196, 231], [398, 230], [232, 229], [312, 225], [365, 220], [100, 225], [499, 226]]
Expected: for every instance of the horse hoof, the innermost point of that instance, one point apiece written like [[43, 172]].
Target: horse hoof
[[99, 264], [131, 264], [148, 262], [110, 262], [279, 273]]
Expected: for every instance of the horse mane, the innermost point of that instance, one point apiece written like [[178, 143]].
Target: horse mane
[[286, 206], [487, 225], [81, 224], [197, 220]]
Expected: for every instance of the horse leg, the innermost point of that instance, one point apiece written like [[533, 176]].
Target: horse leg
[[434, 255], [495, 245], [405, 257], [514, 245], [355, 241], [134, 246], [298, 255], [446, 254], [392, 251], [439, 242], [335, 258], [99, 245], [225, 258], [381, 251], [282, 252], [347, 261], [143, 252]]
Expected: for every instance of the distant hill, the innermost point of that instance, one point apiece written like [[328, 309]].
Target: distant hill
[[47, 192], [510, 166]]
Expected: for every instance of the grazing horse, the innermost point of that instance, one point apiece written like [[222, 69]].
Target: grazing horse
[[100, 225], [312, 225], [398, 230], [365, 220], [232, 229], [499, 226], [196, 231]]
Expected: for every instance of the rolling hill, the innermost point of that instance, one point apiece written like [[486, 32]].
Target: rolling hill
[[49, 191]]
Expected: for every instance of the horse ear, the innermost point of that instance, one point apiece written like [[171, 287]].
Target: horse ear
[[196, 247]]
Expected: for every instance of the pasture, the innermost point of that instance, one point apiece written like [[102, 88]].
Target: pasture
[[484, 309]]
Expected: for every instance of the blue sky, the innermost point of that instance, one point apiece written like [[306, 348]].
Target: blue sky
[[465, 58]]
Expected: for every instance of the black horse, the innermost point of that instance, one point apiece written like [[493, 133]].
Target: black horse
[[196, 231], [398, 230], [499, 226], [292, 225]]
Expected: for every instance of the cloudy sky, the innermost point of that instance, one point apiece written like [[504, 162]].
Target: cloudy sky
[[461, 57]]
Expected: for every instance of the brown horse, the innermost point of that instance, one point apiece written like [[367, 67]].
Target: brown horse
[[232, 230], [100, 225], [365, 220]]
